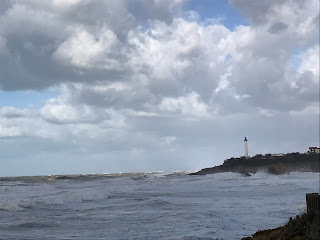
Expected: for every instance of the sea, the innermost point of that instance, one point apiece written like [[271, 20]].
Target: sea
[[156, 205]]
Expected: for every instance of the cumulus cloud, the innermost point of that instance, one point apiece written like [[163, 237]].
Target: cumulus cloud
[[172, 55], [310, 61], [9, 131], [82, 33], [131, 80], [84, 51], [61, 113], [12, 112]]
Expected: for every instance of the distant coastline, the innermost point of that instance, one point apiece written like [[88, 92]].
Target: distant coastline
[[272, 163]]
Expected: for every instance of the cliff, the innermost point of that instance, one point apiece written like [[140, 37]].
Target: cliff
[[297, 229], [300, 162]]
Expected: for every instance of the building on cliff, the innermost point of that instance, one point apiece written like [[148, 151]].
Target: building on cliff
[[277, 154], [314, 150]]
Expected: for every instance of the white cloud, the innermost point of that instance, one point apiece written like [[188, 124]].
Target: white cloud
[[311, 110], [310, 61], [133, 113], [266, 112], [188, 105], [58, 112], [12, 112], [65, 3], [132, 79], [168, 140], [82, 49], [9, 131], [223, 83]]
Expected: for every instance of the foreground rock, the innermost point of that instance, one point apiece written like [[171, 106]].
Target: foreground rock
[[296, 229], [299, 162]]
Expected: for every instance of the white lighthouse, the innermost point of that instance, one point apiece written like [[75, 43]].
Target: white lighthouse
[[245, 147]]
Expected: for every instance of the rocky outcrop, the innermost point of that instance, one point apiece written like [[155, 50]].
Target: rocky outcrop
[[295, 229], [290, 162]]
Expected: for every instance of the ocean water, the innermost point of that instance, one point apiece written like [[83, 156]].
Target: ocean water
[[150, 205]]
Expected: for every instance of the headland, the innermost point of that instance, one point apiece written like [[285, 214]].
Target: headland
[[271, 163]]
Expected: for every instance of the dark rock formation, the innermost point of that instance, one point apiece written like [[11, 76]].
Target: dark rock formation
[[278, 169], [245, 174], [300, 162]]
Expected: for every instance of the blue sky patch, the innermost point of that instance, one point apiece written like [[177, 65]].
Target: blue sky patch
[[228, 57], [24, 99], [217, 9], [295, 58]]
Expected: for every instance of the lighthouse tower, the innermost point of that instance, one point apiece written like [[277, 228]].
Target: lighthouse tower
[[245, 147]]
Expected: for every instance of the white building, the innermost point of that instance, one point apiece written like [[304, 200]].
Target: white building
[[278, 155]]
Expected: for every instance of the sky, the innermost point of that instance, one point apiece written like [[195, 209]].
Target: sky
[[154, 85]]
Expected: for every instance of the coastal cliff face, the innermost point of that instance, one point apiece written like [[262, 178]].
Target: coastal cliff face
[[291, 162]]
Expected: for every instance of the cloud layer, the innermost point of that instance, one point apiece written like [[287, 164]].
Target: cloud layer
[[149, 85]]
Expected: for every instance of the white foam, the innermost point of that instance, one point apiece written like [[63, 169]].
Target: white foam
[[15, 205]]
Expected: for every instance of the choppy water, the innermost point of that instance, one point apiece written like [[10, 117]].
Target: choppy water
[[149, 206]]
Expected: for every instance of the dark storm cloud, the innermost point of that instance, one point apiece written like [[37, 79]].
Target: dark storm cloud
[[278, 27], [260, 12], [34, 30], [97, 43]]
